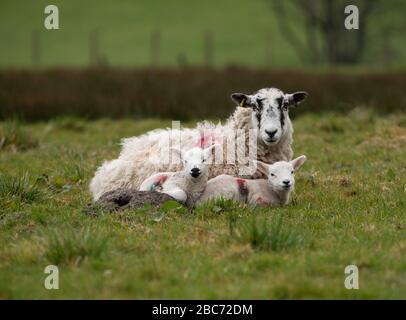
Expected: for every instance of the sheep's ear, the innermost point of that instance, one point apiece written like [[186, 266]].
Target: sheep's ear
[[293, 99], [243, 100], [298, 162], [262, 167]]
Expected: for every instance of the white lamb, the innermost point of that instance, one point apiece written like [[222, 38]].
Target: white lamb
[[275, 190], [187, 185], [264, 114]]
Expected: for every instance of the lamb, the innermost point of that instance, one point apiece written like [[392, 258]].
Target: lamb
[[185, 186], [260, 124], [275, 190]]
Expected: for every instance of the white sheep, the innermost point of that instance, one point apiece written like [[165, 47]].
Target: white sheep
[[185, 186], [275, 190], [264, 114]]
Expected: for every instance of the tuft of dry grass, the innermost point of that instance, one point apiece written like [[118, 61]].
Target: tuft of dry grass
[[14, 137]]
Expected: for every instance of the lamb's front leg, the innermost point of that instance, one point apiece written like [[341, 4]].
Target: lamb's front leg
[[260, 202], [176, 193], [257, 199]]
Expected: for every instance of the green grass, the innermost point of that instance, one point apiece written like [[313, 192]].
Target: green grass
[[349, 208], [244, 32], [14, 137], [262, 236], [72, 246], [18, 188]]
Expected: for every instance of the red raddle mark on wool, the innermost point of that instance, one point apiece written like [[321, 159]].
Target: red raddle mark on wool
[[159, 182], [242, 186], [206, 139], [162, 179]]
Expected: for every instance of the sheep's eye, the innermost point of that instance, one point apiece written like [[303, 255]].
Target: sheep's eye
[[280, 102], [272, 175], [204, 160], [292, 172]]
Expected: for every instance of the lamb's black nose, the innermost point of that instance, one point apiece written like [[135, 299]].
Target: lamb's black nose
[[195, 172], [271, 133], [286, 182]]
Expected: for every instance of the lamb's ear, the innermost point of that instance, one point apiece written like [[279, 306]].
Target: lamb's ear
[[298, 162], [293, 99], [262, 166], [243, 100]]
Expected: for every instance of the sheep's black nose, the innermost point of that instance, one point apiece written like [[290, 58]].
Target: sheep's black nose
[[271, 133], [286, 182], [195, 172]]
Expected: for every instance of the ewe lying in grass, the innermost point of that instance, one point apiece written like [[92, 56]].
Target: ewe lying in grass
[[263, 116], [275, 190], [185, 186]]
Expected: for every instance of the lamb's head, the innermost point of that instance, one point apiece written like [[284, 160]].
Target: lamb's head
[[270, 111], [195, 160], [281, 174]]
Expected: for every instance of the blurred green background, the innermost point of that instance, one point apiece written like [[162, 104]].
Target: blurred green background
[[254, 33], [182, 59]]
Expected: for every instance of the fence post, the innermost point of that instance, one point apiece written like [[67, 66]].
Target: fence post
[[388, 54], [94, 48], [208, 48], [182, 60], [269, 59], [35, 49], [155, 48]]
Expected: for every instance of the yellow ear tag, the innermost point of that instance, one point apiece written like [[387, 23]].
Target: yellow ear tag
[[242, 103]]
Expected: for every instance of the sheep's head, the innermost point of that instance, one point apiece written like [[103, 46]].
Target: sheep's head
[[281, 174], [195, 160], [270, 111]]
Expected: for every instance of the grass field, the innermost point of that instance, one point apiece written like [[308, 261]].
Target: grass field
[[244, 33], [349, 208], [125, 29]]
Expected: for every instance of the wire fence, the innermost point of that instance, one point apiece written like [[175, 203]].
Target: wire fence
[[98, 58], [386, 55]]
